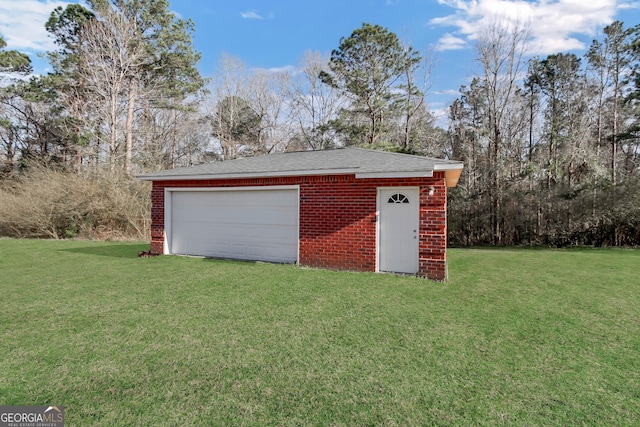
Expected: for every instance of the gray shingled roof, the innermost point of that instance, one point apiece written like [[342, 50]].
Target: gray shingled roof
[[363, 163]]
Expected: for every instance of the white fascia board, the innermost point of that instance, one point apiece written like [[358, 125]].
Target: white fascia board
[[223, 189], [422, 174], [248, 175], [448, 166]]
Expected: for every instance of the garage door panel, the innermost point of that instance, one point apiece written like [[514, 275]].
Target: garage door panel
[[245, 224], [279, 222]]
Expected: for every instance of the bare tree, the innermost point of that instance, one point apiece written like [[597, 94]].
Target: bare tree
[[110, 54], [314, 104], [172, 138], [412, 106], [233, 120], [611, 62], [501, 49], [249, 110]]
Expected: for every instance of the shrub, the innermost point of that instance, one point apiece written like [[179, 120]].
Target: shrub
[[46, 203]]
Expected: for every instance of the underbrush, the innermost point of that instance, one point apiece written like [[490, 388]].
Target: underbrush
[[46, 203]]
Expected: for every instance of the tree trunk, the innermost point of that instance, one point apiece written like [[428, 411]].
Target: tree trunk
[[131, 102], [113, 137]]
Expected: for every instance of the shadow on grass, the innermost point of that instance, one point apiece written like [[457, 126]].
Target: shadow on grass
[[114, 251]]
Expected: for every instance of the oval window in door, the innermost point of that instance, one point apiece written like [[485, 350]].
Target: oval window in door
[[398, 198]]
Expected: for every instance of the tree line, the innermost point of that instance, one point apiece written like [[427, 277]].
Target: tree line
[[550, 144]]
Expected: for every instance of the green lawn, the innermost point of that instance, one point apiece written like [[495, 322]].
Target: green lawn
[[516, 337]]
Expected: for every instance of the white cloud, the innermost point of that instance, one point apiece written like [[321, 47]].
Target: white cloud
[[440, 114], [285, 69], [254, 14], [556, 25], [632, 5], [251, 14], [453, 92], [292, 70], [450, 42], [22, 23]]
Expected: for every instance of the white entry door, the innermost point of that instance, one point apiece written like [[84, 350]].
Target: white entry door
[[398, 229]]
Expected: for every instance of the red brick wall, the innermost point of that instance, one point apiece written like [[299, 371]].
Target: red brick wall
[[338, 218]]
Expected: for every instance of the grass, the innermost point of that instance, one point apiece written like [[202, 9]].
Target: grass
[[516, 337]]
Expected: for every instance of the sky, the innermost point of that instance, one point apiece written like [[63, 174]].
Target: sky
[[275, 34]]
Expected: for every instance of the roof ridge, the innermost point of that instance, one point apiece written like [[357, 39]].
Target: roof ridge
[[403, 154]]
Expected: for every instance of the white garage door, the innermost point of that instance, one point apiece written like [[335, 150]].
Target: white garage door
[[256, 224]]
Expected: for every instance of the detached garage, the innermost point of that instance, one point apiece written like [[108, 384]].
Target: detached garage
[[347, 208]]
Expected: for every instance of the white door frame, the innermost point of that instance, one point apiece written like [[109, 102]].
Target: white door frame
[[167, 206], [414, 193]]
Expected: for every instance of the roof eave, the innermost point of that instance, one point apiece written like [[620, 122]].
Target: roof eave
[[362, 175], [248, 175], [448, 166], [397, 174], [452, 172]]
